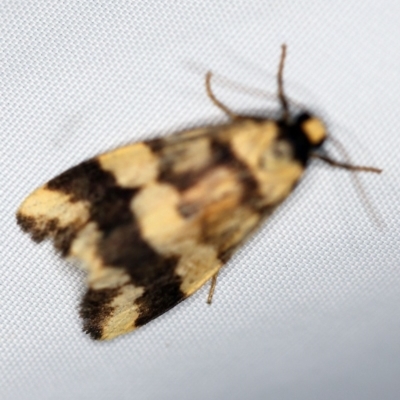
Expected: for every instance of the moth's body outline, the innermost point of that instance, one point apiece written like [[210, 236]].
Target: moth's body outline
[[153, 221]]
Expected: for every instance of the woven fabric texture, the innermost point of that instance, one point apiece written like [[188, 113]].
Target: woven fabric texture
[[310, 307]]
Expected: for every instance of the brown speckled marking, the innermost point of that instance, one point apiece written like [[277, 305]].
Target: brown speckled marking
[[158, 299], [143, 165]]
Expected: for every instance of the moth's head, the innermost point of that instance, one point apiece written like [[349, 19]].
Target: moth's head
[[313, 129], [304, 133]]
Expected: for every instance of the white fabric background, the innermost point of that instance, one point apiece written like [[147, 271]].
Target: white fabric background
[[310, 308]]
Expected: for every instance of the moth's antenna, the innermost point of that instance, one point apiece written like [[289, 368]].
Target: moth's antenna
[[216, 102], [281, 94], [350, 167]]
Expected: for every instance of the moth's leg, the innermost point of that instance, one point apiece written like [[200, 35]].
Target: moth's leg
[[216, 102], [212, 288]]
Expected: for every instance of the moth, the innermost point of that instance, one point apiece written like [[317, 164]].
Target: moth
[[152, 222]]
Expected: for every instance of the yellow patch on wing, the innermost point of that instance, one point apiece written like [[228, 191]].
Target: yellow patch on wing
[[250, 140], [279, 174], [218, 190], [49, 204], [277, 186], [124, 314], [132, 166], [100, 276], [187, 155], [230, 229], [161, 225], [197, 265]]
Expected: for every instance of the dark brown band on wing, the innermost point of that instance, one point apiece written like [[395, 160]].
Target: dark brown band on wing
[[159, 298], [84, 182], [109, 204], [125, 248], [121, 245], [95, 309]]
